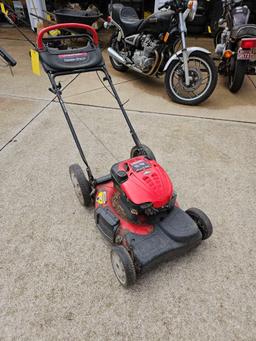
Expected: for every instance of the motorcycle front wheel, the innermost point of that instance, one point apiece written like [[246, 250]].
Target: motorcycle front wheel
[[203, 79]]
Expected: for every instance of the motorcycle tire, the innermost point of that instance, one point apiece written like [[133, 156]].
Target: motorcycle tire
[[217, 37], [207, 60], [116, 65], [236, 75]]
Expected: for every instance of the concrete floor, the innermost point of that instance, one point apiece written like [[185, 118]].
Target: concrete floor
[[56, 279]]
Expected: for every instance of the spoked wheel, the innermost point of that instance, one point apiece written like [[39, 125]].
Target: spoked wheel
[[203, 79], [202, 221], [144, 150], [123, 266], [117, 46], [236, 73], [81, 185]]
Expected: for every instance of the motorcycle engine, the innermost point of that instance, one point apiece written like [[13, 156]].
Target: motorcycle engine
[[144, 59]]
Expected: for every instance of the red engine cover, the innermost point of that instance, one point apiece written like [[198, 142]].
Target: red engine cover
[[147, 182]]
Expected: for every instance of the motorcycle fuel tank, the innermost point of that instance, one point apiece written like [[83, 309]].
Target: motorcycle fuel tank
[[157, 23]]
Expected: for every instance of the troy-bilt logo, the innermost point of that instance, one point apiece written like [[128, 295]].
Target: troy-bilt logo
[[74, 57], [140, 165]]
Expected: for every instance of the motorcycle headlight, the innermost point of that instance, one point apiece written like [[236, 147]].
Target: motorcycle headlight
[[192, 6]]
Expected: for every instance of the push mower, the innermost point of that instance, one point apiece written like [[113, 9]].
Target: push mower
[[136, 207]]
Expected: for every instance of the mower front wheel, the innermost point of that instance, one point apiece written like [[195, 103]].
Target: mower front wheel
[[143, 150], [123, 266], [81, 185], [202, 221]]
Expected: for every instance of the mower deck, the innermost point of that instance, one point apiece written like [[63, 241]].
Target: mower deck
[[173, 236], [150, 243]]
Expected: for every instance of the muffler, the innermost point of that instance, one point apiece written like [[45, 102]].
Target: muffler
[[116, 56]]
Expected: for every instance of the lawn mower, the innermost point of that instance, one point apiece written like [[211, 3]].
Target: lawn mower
[[136, 207]]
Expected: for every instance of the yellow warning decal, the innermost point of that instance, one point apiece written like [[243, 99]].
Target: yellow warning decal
[[3, 10], [35, 62], [209, 29], [101, 198], [54, 33]]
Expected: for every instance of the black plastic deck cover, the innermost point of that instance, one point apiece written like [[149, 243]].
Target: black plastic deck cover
[[74, 59], [179, 226], [174, 236]]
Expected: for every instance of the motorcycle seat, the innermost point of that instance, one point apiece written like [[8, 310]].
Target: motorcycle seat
[[127, 18], [244, 31]]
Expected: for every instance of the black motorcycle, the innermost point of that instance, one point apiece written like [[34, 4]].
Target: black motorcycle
[[236, 44], [149, 47]]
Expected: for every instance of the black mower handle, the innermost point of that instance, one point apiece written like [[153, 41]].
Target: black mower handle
[[66, 25], [8, 58]]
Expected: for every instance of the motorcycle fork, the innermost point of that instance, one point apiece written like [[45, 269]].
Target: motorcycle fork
[[184, 48], [119, 36]]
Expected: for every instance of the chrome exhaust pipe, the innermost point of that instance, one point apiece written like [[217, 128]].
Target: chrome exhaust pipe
[[116, 56]]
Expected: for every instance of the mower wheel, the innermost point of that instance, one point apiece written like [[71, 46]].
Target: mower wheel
[[144, 150], [202, 221], [81, 185], [123, 266]]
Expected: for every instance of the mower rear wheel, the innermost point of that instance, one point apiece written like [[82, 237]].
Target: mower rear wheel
[[144, 150], [81, 185], [202, 221], [123, 266]]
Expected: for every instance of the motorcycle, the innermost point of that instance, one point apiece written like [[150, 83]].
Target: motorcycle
[[149, 47], [236, 44]]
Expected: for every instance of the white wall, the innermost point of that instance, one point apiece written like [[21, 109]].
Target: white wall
[[159, 3], [36, 7]]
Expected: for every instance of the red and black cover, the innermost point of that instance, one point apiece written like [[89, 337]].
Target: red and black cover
[[143, 182]]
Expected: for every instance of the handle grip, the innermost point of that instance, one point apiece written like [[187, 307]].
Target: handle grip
[[8, 58], [161, 7], [165, 5], [66, 25]]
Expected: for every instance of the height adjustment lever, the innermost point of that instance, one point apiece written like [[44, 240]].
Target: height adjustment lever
[[56, 89]]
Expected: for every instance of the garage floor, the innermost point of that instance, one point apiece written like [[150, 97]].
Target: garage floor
[[56, 279]]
